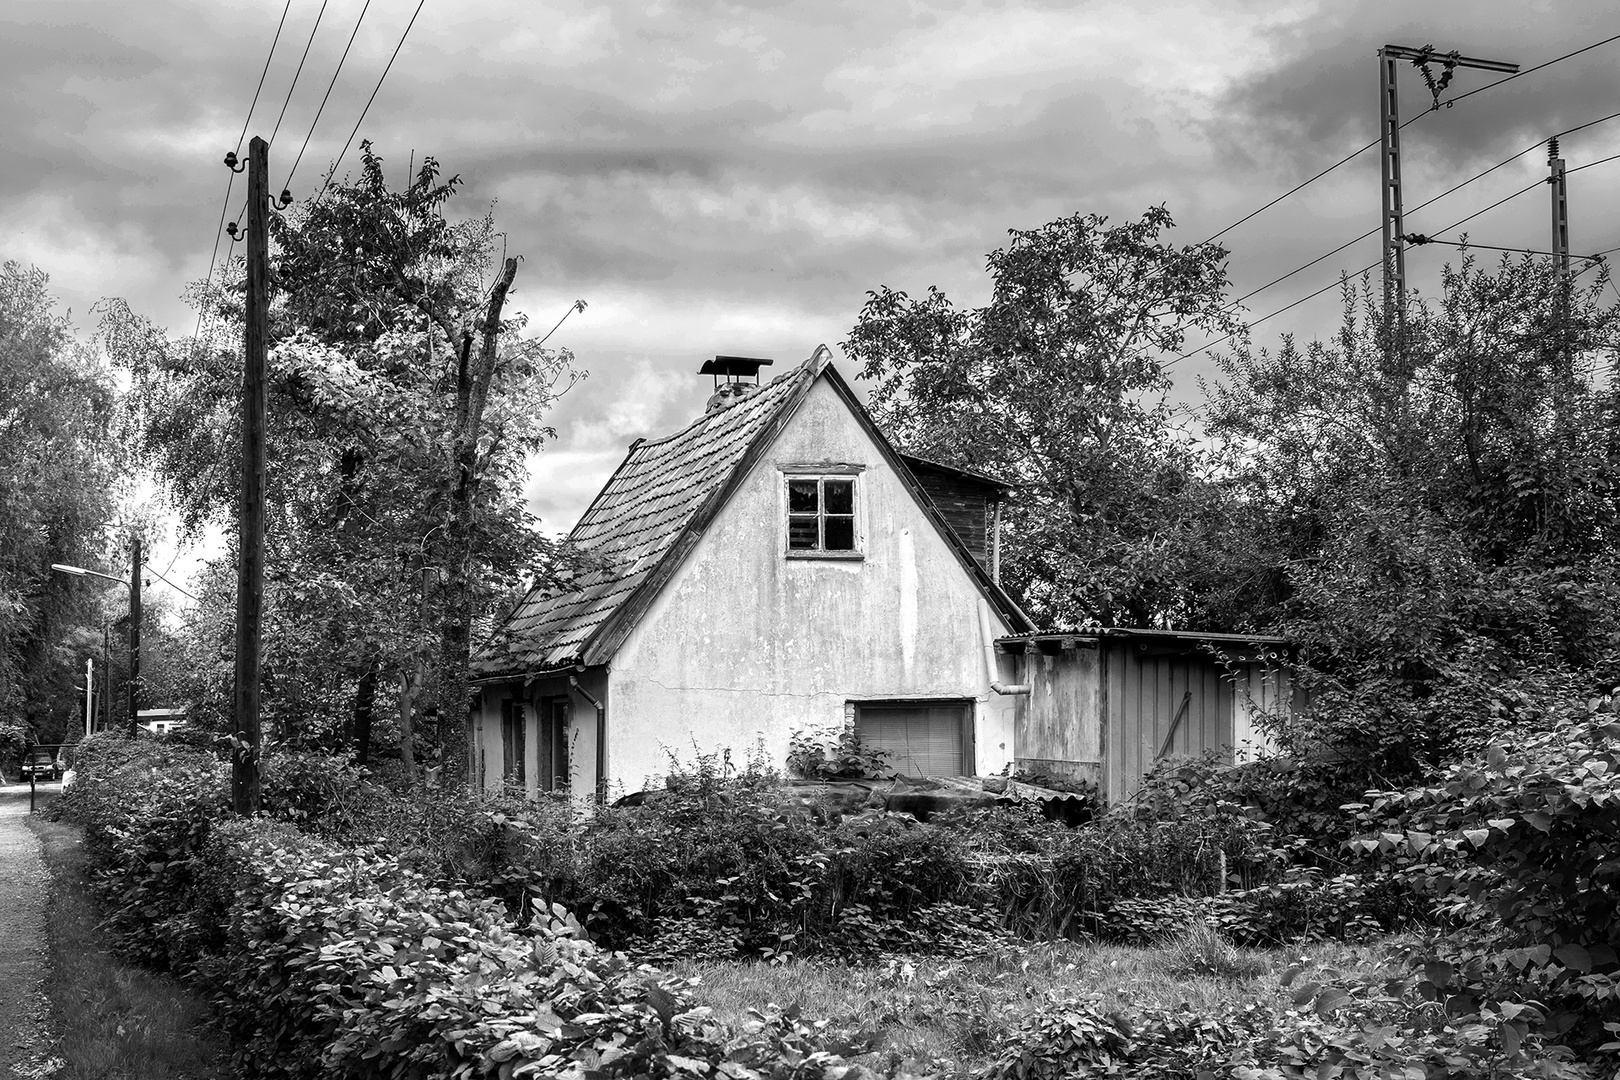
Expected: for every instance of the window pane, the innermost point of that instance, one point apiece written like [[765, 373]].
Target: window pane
[[840, 533], [840, 496], [802, 533], [802, 496]]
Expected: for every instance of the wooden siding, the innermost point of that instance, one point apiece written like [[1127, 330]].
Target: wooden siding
[[1058, 728], [964, 507]]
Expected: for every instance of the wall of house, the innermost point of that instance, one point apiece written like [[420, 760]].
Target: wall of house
[[746, 645], [579, 737]]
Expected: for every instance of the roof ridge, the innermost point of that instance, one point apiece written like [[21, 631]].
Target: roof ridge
[[793, 373]]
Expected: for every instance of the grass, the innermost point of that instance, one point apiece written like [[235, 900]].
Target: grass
[[114, 1021], [953, 1011]]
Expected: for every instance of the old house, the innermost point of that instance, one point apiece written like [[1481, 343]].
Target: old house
[[773, 566], [1107, 705]]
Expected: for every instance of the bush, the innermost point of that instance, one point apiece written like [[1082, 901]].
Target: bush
[[326, 960], [1351, 1029], [1524, 837]]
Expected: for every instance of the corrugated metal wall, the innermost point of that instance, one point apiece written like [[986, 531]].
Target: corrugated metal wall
[[1143, 691]]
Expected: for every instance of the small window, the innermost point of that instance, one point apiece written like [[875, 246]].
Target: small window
[[821, 514]]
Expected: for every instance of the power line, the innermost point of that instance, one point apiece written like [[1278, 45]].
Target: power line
[[230, 181], [389, 67], [1264, 318], [1418, 240], [1447, 103], [1589, 164], [328, 94], [248, 119], [1429, 202], [288, 99]]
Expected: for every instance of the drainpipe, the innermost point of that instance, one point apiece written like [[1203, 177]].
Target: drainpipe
[[990, 655], [601, 738]]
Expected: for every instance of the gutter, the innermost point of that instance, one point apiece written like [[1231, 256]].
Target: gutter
[[990, 655], [601, 738]]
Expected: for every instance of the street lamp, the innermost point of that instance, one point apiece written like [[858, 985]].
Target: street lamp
[[134, 587]]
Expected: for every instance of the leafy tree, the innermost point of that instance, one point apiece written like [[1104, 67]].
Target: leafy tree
[[402, 407], [1438, 516], [1057, 386], [59, 469]]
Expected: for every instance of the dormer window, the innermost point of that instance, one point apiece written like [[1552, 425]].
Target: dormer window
[[822, 511]]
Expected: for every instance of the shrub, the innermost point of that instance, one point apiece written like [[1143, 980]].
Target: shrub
[[839, 755], [326, 960], [1526, 835]]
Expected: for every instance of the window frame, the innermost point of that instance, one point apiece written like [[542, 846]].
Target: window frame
[[821, 472]]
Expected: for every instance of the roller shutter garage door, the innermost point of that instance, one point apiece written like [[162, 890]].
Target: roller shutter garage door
[[922, 738]]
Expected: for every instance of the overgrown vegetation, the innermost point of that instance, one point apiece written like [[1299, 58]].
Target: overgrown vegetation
[[112, 1018]]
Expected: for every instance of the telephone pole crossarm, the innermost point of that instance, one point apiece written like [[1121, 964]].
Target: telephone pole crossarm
[[1406, 52]]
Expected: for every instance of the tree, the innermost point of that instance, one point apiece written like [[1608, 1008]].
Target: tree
[[1057, 386], [396, 450], [1440, 511], [59, 468]]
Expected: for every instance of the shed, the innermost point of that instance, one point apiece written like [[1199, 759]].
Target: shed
[[1106, 705]]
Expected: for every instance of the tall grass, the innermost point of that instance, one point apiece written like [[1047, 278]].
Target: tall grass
[[113, 1020]]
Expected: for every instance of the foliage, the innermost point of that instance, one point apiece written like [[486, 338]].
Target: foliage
[[1435, 516], [330, 960], [379, 298], [59, 464], [1523, 836], [1351, 1027], [839, 755], [1056, 386]]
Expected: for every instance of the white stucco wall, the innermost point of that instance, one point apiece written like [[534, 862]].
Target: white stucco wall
[[745, 645], [579, 736]]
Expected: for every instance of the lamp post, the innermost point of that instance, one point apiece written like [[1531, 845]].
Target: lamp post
[[134, 587]]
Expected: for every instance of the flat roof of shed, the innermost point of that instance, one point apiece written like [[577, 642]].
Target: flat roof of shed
[[1190, 636]]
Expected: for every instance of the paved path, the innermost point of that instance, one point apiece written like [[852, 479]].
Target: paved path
[[23, 883]]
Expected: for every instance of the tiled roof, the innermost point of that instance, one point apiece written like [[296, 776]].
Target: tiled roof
[[634, 523]]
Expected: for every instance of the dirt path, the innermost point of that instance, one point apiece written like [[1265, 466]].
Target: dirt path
[[23, 885]]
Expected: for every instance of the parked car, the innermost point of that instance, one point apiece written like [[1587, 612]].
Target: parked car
[[40, 765]]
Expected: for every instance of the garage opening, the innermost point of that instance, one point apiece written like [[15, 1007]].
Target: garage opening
[[922, 738]]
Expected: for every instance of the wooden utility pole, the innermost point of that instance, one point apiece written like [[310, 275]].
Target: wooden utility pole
[[250, 520], [134, 639], [1389, 58]]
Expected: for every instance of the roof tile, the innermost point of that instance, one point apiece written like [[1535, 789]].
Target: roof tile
[[633, 524]]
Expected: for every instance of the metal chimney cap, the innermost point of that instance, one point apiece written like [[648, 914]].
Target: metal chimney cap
[[734, 367]]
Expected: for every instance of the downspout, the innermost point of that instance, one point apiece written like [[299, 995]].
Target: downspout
[[601, 738], [990, 655]]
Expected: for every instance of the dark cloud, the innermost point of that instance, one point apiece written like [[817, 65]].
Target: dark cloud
[[719, 176]]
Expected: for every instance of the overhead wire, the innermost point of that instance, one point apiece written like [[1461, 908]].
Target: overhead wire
[[1357, 153], [1448, 103], [1592, 260], [1429, 202], [299, 71], [332, 172], [230, 181], [328, 94]]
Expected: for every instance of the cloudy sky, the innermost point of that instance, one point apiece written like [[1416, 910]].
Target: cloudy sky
[[719, 177]]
